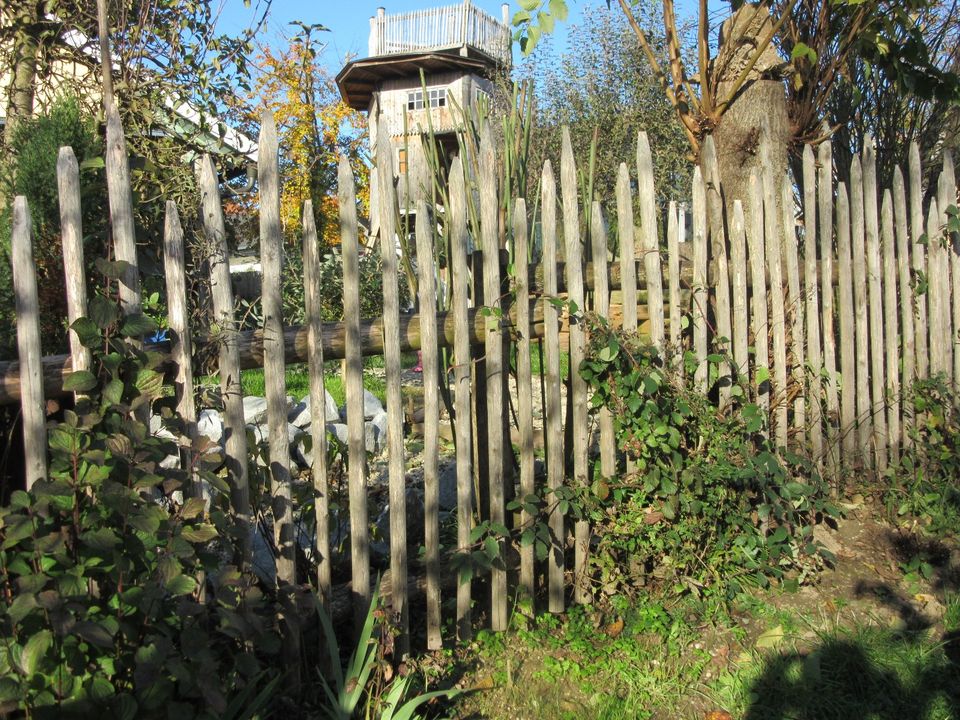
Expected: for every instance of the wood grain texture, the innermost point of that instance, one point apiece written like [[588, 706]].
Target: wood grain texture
[[353, 386], [811, 292], [71, 233], [628, 265], [221, 293], [738, 265], [858, 239], [700, 291], [601, 306], [651, 245], [847, 319], [673, 275], [758, 266], [553, 429], [875, 292], [825, 240], [720, 282], [904, 262], [32, 407], [891, 331], [121, 212], [796, 311], [918, 261]]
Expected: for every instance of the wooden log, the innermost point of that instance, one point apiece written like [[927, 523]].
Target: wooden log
[[353, 386], [651, 245], [738, 262], [578, 386], [71, 232], [427, 296], [848, 343], [858, 237], [759, 296], [181, 345], [489, 227], [919, 262], [798, 369], [628, 265], [391, 361], [825, 216], [601, 306], [811, 292], [700, 296], [718, 249], [33, 408], [875, 287], [891, 335], [673, 272], [221, 293], [907, 301], [524, 390], [461, 380], [318, 395], [553, 431]]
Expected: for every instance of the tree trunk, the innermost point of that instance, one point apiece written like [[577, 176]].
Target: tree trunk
[[23, 76]]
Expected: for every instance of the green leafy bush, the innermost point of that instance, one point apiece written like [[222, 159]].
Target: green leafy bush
[[924, 482], [710, 503], [116, 592]]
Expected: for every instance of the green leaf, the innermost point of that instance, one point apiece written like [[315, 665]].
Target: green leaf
[[34, 651], [113, 392], [101, 689], [546, 22], [771, 638], [102, 540], [193, 507], [137, 325], [181, 585], [199, 533], [80, 381], [529, 5], [94, 633], [103, 312], [21, 606], [802, 50], [558, 8], [87, 332]]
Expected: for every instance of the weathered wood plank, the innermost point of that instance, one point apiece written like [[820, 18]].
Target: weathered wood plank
[[858, 237], [907, 299], [221, 293], [947, 196], [718, 250], [875, 287], [353, 386], [181, 342], [601, 306], [318, 402], [812, 294], [33, 408], [461, 384], [798, 367], [71, 232], [848, 343], [489, 228], [825, 218], [628, 265], [759, 296], [919, 264], [121, 212], [700, 295], [651, 245], [673, 273], [578, 387], [937, 278], [738, 263], [891, 334], [521, 260], [552, 402]]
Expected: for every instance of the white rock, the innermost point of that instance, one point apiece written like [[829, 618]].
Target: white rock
[[301, 414], [376, 433], [210, 425], [254, 410]]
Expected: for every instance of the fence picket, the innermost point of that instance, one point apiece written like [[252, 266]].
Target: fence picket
[[553, 432], [121, 212], [673, 273], [221, 293], [758, 274], [578, 387], [907, 300], [857, 233], [891, 334], [353, 387], [628, 265], [33, 407], [489, 228], [738, 262], [601, 306], [947, 196], [937, 279], [71, 231], [825, 217], [812, 310], [718, 250], [919, 265], [875, 295], [798, 366], [848, 343], [461, 380], [524, 387], [651, 246], [701, 296]]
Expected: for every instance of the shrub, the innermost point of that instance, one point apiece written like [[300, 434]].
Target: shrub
[[710, 504], [116, 592]]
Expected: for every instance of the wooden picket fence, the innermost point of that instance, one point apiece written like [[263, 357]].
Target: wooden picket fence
[[840, 328]]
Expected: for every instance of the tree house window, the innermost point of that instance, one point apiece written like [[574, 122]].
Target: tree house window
[[437, 97]]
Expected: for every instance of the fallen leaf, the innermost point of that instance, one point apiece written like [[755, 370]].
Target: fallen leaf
[[771, 638], [484, 683], [614, 629], [924, 598], [718, 715]]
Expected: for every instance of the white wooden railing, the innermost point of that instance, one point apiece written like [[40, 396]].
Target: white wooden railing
[[439, 28]]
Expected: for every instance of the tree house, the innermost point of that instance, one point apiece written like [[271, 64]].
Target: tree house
[[425, 70]]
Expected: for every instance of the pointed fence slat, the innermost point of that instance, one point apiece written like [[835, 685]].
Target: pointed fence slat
[[391, 361], [718, 250], [812, 310], [848, 343], [221, 293], [862, 392], [601, 306], [552, 427], [524, 388], [461, 384], [907, 301], [738, 262], [318, 402], [353, 387], [825, 218], [891, 335], [181, 343], [33, 408], [71, 232], [919, 262], [937, 280], [772, 230], [946, 197], [700, 295], [121, 212], [673, 273], [489, 228], [798, 368], [651, 246], [759, 296], [578, 386], [628, 265], [875, 296]]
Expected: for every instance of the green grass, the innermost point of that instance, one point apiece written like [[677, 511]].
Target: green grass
[[298, 383]]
